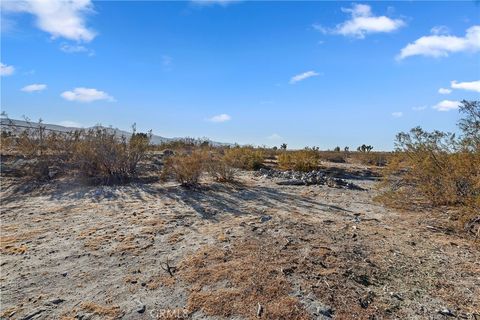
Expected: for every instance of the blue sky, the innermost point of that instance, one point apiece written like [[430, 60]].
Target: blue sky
[[305, 73]]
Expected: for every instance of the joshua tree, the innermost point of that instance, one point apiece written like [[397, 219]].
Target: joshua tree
[[283, 146], [337, 149], [365, 148]]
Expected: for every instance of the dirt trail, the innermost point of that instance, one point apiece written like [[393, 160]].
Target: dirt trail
[[251, 250]]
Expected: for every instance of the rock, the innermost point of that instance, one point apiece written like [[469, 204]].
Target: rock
[[446, 312], [64, 274], [167, 153], [141, 308], [293, 182], [57, 301], [265, 218]]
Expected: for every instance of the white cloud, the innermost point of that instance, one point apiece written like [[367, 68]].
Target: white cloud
[[442, 45], [6, 70], [274, 136], [440, 30], [68, 48], [86, 95], [303, 76], [64, 19], [363, 22], [420, 108], [444, 91], [470, 86], [220, 118], [397, 114], [34, 87], [446, 105], [70, 124]]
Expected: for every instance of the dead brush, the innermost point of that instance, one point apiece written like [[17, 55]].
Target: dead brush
[[220, 170], [186, 169], [252, 269], [303, 160], [103, 157]]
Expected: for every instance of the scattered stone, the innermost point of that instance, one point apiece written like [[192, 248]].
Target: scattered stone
[[141, 308], [446, 312], [315, 177], [265, 218], [33, 314], [57, 301], [64, 274]]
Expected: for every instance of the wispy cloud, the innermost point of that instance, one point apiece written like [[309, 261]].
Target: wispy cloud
[[419, 108], [362, 22], [220, 118], [437, 46], [397, 114], [6, 70], [64, 19], [86, 95], [274, 136], [444, 91], [68, 48], [303, 76], [470, 86], [34, 87], [446, 105]]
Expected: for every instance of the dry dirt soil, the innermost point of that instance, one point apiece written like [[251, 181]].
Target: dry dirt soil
[[251, 250]]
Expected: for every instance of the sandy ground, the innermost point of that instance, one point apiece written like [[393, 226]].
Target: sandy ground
[[243, 251]]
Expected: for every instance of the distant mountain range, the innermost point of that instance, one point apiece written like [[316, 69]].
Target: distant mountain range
[[19, 125]]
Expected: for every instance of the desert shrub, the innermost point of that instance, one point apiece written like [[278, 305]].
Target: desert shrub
[[378, 159], [438, 168], [185, 168], [246, 158], [333, 156], [42, 153], [103, 157], [220, 170], [302, 160]]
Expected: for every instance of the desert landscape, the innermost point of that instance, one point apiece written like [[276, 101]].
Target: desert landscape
[[237, 159], [266, 243]]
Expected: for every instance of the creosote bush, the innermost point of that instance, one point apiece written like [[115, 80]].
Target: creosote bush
[[247, 158], [220, 170], [437, 168], [302, 160], [186, 169], [103, 157], [98, 155]]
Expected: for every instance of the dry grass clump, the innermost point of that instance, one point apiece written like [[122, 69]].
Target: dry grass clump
[[235, 282], [379, 159], [105, 312], [185, 168], [333, 156], [247, 158], [303, 160], [438, 168]]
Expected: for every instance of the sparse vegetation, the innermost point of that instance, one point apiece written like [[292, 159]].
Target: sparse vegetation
[[247, 158], [437, 168], [302, 160], [186, 169]]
